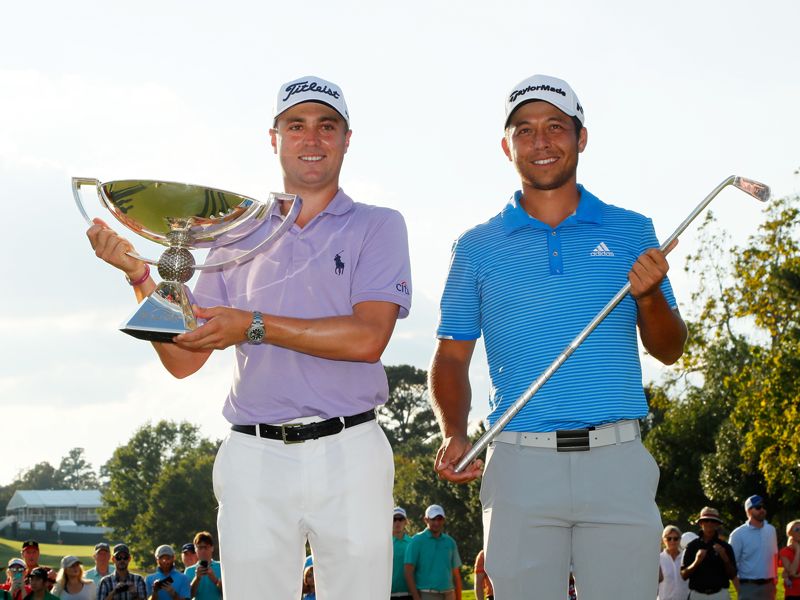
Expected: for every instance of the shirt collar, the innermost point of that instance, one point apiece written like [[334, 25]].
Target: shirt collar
[[340, 204], [590, 210]]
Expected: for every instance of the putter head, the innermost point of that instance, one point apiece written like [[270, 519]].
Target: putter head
[[757, 190]]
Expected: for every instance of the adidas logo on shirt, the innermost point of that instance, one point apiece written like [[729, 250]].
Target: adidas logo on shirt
[[602, 250]]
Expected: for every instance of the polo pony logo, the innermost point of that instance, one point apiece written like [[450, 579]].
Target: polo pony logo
[[339, 264]]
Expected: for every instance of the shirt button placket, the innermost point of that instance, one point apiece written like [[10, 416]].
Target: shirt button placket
[[554, 251]]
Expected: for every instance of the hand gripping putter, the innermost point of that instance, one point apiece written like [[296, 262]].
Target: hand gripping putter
[[757, 190]]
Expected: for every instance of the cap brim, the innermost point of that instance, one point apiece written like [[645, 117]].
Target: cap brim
[[521, 104], [315, 101]]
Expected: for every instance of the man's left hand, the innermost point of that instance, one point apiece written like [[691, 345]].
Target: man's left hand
[[649, 270], [224, 327], [450, 453]]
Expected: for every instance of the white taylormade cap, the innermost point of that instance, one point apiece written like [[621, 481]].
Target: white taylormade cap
[[550, 89], [310, 89]]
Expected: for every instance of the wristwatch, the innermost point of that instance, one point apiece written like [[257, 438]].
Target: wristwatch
[[255, 333]]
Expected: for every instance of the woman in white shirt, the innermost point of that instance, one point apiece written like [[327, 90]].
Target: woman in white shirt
[[70, 584], [672, 586]]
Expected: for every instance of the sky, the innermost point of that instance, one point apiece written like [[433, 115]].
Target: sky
[[677, 96]]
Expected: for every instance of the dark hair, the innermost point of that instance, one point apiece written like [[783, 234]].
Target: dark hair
[[578, 126]]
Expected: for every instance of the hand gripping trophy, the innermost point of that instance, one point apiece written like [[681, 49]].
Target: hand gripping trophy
[[184, 217]]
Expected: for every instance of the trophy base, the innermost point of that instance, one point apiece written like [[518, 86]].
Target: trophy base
[[161, 316]]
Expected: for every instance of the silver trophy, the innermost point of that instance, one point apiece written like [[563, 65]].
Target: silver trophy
[[183, 217]]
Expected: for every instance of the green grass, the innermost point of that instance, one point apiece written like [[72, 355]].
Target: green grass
[[51, 554]]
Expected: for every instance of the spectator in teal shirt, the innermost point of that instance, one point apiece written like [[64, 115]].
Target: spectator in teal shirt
[[400, 541], [432, 561], [206, 575]]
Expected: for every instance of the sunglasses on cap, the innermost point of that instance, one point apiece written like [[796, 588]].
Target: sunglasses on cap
[[398, 518]]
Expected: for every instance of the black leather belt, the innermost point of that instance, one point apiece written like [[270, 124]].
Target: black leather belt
[[295, 433], [707, 591], [757, 581]]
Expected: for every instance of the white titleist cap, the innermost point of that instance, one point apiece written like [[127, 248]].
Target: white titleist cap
[[550, 89], [310, 89]]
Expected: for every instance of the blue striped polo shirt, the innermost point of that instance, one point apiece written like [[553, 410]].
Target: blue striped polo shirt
[[530, 289]]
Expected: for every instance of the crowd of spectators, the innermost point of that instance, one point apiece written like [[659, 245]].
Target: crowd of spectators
[[426, 566], [110, 577]]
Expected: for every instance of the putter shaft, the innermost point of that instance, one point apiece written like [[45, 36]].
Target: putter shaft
[[758, 190]]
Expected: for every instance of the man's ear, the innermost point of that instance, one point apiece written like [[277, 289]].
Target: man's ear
[[347, 139], [506, 149], [273, 139], [583, 138]]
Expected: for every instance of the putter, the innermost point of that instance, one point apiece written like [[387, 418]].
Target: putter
[[759, 191]]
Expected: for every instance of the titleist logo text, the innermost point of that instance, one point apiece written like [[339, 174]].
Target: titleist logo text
[[304, 86]]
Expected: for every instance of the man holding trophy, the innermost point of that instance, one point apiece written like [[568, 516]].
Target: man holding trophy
[[309, 318]]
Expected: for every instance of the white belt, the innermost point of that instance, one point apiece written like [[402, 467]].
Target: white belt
[[574, 440]]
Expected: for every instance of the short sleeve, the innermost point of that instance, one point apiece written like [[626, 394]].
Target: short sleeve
[[688, 555], [459, 317], [456, 557], [383, 272], [412, 553], [649, 240], [479, 562]]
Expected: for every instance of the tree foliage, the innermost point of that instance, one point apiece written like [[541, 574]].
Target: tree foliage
[[407, 417], [76, 473], [152, 486], [414, 434], [724, 424]]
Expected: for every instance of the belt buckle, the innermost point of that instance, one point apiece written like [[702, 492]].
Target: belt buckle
[[285, 428], [572, 440]]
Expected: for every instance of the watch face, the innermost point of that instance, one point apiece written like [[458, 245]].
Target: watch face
[[255, 333]]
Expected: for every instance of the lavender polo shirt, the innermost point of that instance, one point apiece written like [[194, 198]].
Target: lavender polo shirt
[[349, 253]]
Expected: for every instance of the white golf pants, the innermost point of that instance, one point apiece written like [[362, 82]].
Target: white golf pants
[[335, 492]]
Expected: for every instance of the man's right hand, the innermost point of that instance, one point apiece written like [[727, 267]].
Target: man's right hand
[[450, 453], [113, 249]]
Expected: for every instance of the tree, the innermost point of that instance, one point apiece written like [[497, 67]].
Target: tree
[[412, 429], [134, 471], [76, 473], [407, 417], [41, 476], [181, 503], [724, 424]]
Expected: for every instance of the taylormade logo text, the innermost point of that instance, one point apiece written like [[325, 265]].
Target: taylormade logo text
[[535, 88], [304, 86]]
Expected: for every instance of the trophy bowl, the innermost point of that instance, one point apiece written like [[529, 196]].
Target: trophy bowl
[[183, 217]]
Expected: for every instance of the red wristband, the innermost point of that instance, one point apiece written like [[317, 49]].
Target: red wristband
[[142, 279]]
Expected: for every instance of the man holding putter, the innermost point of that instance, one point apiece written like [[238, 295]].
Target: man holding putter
[[568, 479]]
